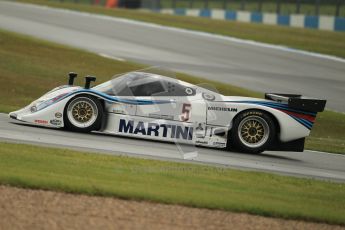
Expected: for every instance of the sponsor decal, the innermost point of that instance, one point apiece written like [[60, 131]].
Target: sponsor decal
[[220, 144], [200, 127], [58, 115], [225, 109], [58, 97], [202, 142], [161, 116], [41, 122], [55, 122], [154, 129], [118, 111]]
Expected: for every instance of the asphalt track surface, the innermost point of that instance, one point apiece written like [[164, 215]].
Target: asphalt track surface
[[309, 164], [251, 66], [248, 65]]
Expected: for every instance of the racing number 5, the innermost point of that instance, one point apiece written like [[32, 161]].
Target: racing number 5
[[185, 112]]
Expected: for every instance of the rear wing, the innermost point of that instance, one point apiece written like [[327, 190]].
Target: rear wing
[[299, 102]]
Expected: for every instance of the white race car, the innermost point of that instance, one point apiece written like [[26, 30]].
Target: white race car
[[156, 107]]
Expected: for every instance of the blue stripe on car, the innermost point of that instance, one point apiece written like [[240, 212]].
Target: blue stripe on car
[[111, 99], [285, 107], [274, 105]]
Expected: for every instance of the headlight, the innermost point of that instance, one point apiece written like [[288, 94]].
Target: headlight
[[33, 109]]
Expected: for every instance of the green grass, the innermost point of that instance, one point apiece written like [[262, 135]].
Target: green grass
[[325, 42], [328, 133], [173, 183], [31, 67]]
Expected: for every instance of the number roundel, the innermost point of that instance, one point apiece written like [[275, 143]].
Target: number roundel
[[189, 91], [208, 97]]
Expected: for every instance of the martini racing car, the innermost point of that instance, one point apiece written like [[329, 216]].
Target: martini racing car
[[152, 106]]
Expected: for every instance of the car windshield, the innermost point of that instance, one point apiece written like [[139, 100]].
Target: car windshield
[[144, 84]]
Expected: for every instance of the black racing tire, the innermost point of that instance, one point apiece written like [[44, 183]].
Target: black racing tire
[[83, 113], [253, 132]]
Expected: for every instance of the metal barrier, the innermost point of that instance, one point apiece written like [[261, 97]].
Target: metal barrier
[[314, 14], [306, 7]]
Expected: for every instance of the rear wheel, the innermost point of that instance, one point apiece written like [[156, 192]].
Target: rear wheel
[[83, 114], [253, 131]]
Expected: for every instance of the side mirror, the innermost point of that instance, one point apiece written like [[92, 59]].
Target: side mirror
[[88, 80], [71, 76]]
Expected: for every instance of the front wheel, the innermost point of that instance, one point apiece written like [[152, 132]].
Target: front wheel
[[253, 131], [83, 114]]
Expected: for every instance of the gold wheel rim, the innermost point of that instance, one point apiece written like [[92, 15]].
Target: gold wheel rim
[[82, 112], [253, 131]]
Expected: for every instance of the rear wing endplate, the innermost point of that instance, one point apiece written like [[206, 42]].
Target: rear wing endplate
[[299, 102]]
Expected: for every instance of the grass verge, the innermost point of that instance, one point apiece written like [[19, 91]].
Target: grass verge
[[325, 42], [30, 67], [173, 183]]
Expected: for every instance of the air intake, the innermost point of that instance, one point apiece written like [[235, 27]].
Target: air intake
[[71, 76], [88, 81]]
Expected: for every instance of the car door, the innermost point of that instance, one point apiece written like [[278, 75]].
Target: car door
[[178, 106], [166, 100]]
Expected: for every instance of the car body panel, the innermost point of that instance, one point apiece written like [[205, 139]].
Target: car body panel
[[194, 116]]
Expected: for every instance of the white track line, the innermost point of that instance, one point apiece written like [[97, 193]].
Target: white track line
[[111, 57], [203, 34]]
